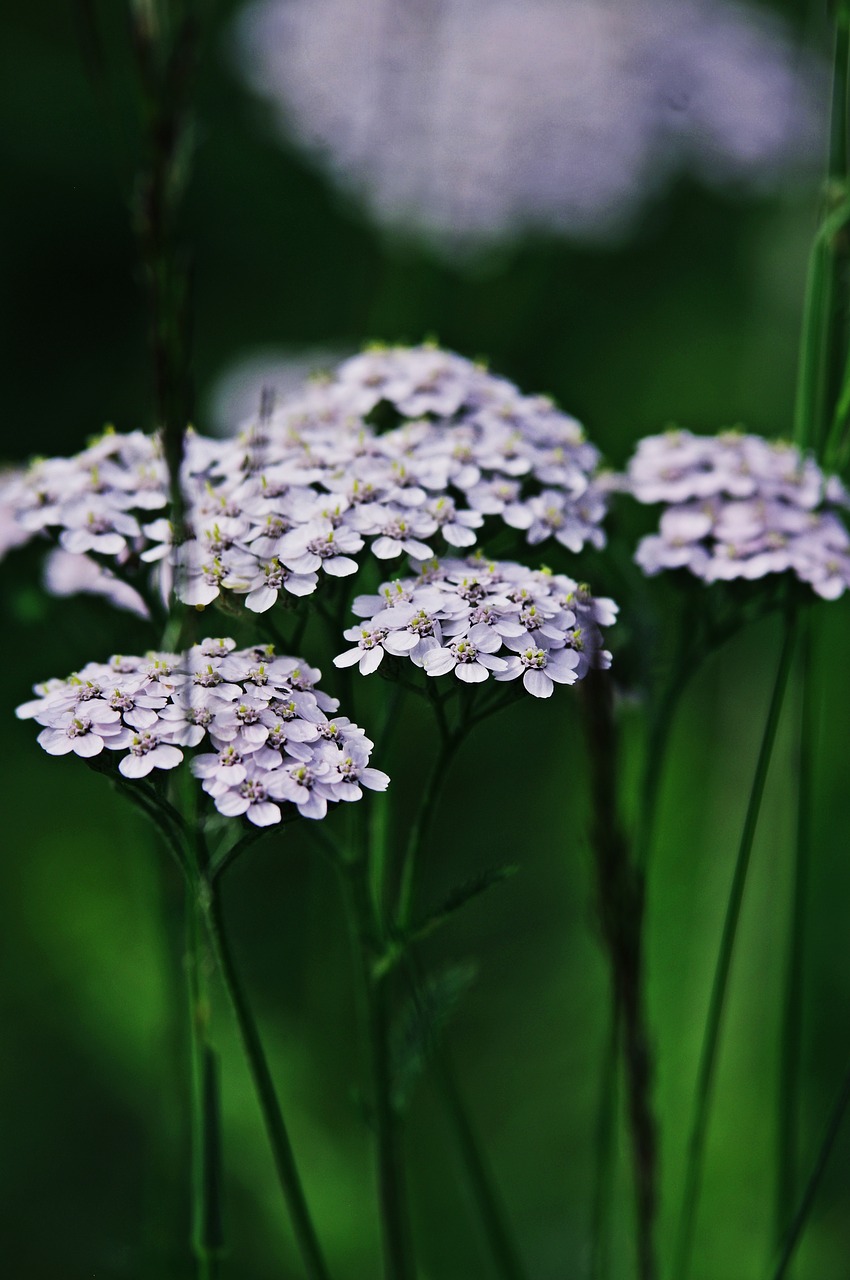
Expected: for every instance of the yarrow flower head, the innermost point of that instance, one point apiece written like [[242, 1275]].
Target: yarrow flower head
[[739, 506], [404, 451], [469, 121], [476, 618], [271, 736]]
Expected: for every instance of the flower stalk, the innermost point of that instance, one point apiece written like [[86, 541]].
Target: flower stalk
[[303, 1227], [620, 889], [396, 1233], [207, 1233]]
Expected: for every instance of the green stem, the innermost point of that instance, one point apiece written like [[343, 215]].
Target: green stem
[[661, 723], [801, 1217], [481, 1182], [396, 1234], [150, 807], [708, 1058], [606, 1128], [620, 890], [207, 1238], [809, 407], [420, 825], [287, 1170], [823, 385], [789, 1085]]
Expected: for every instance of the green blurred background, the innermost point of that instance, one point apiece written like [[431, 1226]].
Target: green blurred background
[[694, 319]]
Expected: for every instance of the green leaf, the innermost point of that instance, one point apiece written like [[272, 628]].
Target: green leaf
[[465, 892], [420, 1023], [459, 897]]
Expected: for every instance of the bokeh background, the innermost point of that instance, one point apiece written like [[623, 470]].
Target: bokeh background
[[683, 305]]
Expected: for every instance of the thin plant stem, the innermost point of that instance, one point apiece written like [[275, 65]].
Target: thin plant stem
[[606, 1129], [660, 727], [661, 723], [620, 889], [207, 1239], [711, 1037], [824, 328], [284, 1158], [788, 1117], [396, 1234], [801, 1217], [149, 806], [421, 822], [479, 1174], [482, 1185]]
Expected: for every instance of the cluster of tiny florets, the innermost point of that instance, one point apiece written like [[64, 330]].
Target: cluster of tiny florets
[[479, 618], [739, 506], [272, 735], [303, 489], [468, 121]]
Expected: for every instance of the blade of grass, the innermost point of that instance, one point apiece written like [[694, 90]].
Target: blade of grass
[[788, 1118], [801, 1217], [711, 1038]]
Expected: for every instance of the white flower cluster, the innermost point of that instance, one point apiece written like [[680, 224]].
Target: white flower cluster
[[479, 618], [300, 490], [739, 506], [468, 121], [272, 733]]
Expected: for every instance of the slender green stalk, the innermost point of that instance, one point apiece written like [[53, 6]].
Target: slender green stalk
[[606, 1130], [420, 825], [801, 1217], [825, 325], [378, 821], [661, 723], [172, 836], [287, 1170], [711, 1038], [207, 1240], [620, 890], [480, 1176], [788, 1117], [810, 400], [396, 1234], [482, 1186]]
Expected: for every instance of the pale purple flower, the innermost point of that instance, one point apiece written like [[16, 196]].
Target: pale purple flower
[[469, 121], [320, 546], [66, 574], [262, 719], [541, 669], [741, 507], [367, 652], [471, 657], [309, 786], [148, 752], [249, 799], [85, 731], [474, 617]]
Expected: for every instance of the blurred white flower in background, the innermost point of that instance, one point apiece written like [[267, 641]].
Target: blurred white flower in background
[[468, 121]]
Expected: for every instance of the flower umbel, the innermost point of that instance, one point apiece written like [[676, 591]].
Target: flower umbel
[[267, 725], [739, 506], [478, 618]]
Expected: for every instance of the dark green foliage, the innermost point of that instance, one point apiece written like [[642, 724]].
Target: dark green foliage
[[420, 1024]]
